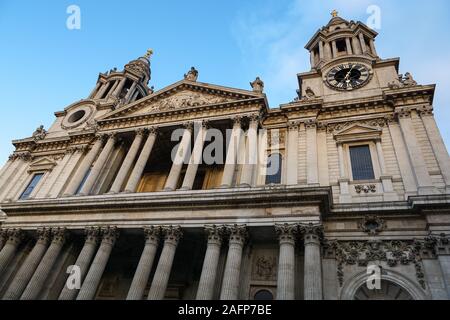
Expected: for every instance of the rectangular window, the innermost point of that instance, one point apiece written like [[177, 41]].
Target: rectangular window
[[362, 167], [33, 183]]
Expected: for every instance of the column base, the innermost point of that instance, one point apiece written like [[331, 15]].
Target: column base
[[185, 189], [244, 185], [168, 189]]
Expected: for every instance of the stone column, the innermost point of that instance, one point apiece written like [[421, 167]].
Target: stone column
[[179, 159], [12, 238], [84, 167], [93, 277], [372, 47], [139, 167], [321, 50], [99, 163], [140, 279], [311, 153], [438, 145], [131, 91], [102, 90], [312, 59], [334, 49], [292, 154], [443, 252], [286, 263], [196, 158], [363, 43], [209, 271], [230, 283], [328, 53], [356, 46], [423, 179], [83, 261], [27, 269], [312, 235], [42, 272], [343, 180], [162, 273], [119, 87], [97, 86], [251, 152], [127, 162], [349, 46], [232, 152]]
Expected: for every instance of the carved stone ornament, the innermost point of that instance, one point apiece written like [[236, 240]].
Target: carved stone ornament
[[391, 252], [372, 225], [40, 133], [360, 188], [192, 75], [185, 100], [257, 85], [264, 268], [378, 123]]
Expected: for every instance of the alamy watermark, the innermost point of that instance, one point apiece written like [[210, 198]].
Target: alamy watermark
[[73, 21]]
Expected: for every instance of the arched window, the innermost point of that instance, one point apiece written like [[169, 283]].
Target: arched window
[[387, 291], [263, 295], [273, 172]]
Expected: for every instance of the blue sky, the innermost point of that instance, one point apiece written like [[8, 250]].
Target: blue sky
[[45, 66]]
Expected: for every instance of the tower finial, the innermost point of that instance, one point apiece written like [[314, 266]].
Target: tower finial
[[148, 54], [334, 13]]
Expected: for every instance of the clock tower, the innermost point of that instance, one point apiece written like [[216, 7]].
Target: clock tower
[[345, 64]]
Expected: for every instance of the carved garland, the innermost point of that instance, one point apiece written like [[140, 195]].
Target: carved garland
[[393, 252]]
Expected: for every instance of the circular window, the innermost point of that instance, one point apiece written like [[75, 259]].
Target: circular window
[[263, 295], [77, 116]]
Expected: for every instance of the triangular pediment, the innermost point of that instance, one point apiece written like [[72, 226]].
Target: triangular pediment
[[42, 164], [183, 95], [357, 132]]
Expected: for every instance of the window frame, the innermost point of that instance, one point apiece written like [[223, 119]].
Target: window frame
[[281, 157], [373, 157], [35, 188]]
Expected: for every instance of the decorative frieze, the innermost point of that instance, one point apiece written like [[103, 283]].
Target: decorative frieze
[[361, 188], [372, 225]]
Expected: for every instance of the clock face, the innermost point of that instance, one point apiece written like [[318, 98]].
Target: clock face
[[348, 77]]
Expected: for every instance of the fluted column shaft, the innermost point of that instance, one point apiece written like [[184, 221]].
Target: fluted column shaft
[[145, 265], [230, 283], [162, 273], [13, 239], [179, 159], [196, 159], [209, 271], [128, 162], [251, 152], [139, 167], [286, 262], [26, 271], [232, 152], [313, 263], [99, 163], [36, 283], [90, 284], [84, 168], [83, 261]]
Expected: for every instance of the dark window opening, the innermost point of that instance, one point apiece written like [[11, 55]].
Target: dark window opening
[[126, 88], [31, 186], [77, 116], [263, 295], [273, 174], [110, 84], [367, 42], [361, 160], [341, 46]]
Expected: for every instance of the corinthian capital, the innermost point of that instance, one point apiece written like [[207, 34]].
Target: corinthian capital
[[59, 235], [311, 232], [172, 234], [286, 232], [238, 233], [152, 234], [43, 235], [92, 234], [110, 235], [14, 236], [215, 233]]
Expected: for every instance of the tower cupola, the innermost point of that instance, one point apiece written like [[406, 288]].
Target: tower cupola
[[341, 38]]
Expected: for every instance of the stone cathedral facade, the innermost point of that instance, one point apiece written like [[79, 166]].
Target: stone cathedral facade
[[362, 181]]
